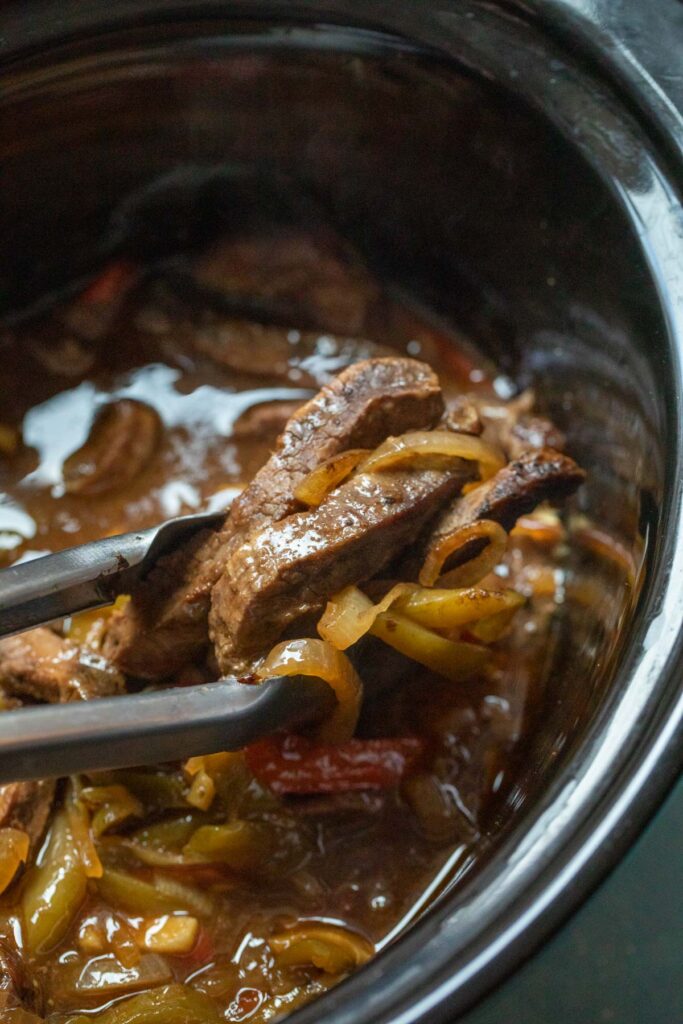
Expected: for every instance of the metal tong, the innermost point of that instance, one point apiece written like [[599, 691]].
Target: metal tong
[[140, 729]]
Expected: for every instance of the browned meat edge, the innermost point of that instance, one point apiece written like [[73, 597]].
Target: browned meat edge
[[538, 475], [166, 623], [289, 569], [42, 666]]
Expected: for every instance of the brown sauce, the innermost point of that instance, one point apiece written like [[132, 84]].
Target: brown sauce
[[369, 862]]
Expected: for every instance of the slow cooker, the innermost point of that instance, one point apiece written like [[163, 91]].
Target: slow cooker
[[515, 164]]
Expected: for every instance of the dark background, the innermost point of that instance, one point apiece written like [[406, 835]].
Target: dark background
[[620, 958]]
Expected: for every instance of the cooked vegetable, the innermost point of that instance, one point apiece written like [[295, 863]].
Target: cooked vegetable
[[349, 614], [55, 889], [173, 936], [113, 805], [474, 569], [171, 1004], [122, 440], [202, 791], [14, 846], [449, 658], [109, 977], [322, 660], [121, 889], [81, 830], [448, 609], [318, 484], [182, 895], [413, 448], [241, 845], [294, 764], [110, 284], [331, 949]]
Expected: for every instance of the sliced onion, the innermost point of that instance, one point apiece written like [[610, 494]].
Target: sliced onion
[[448, 609], [107, 976], [14, 846], [396, 452], [492, 628], [452, 659], [350, 614], [319, 659], [318, 484], [444, 547], [330, 948], [81, 831], [202, 791], [112, 805]]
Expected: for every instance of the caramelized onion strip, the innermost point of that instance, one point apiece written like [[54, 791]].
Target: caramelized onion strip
[[14, 846], [312, 657], [349, 614], [452, 659], [315, 487], [474, 569], [449, 609], [407, 449]]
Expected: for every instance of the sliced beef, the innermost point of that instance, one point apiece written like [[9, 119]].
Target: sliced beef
[[265, 421], [27, 806], [462, 417], [360, 408], [542, 475], [312, 280], [291, 568], [514, 427], [164, 626], [42, 666], [304, 358]]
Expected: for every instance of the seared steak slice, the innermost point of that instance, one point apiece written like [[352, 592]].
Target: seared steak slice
[[542, 475], [164, 626], [26, 806], [45, 667], [303, 358], [266, 420], [309, 279], [360, 408], [289, 569]]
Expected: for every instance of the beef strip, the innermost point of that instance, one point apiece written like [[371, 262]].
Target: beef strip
[[514, 427], [290, 569], [266, 420], [165, 625], [42, 666], [304, 358], [26, 806], [538, 475], [311, 279]]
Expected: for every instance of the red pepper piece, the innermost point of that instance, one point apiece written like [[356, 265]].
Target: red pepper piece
[[295, 764], [112, 282]]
